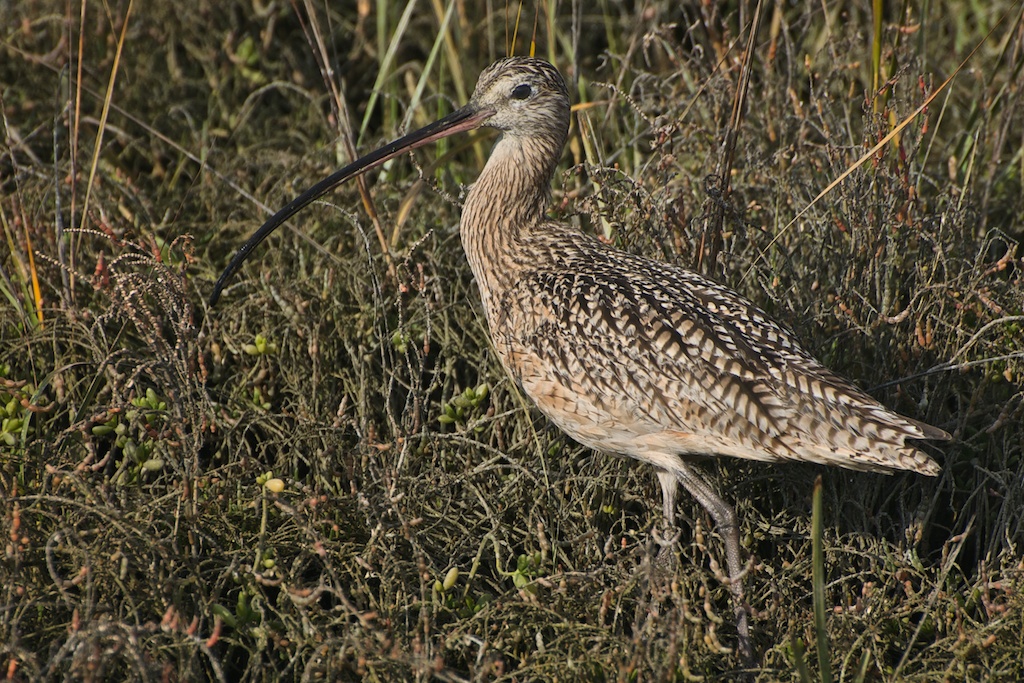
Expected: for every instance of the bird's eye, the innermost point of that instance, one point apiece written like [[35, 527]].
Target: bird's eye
[[521, 92]]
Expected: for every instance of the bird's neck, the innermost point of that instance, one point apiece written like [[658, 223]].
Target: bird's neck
[[504, 208]]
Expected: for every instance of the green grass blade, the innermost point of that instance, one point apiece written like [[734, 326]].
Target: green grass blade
[[818, 583], [800, 660], [421, 84], [862, 670], [385, 67]]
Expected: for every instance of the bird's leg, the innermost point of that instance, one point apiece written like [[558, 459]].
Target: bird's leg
[[725, 520], [668, 510]]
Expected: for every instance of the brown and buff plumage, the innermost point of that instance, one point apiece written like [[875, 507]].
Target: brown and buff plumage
[[630, 355]]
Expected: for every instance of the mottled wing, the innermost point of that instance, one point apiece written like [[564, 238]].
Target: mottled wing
[[644, 356]]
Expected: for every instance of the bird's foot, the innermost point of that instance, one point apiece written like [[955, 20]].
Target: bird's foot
[[666, 537]]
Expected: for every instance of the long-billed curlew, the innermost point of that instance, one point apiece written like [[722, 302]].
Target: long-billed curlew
[[625, 354]]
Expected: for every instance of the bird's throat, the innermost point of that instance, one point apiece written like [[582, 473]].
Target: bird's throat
[[503, 210]]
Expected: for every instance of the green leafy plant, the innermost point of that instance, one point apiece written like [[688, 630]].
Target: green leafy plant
[[462, 407], [139, 435], [261, 346], [16, 400], [243, 617], [528, 569], [258, 400]]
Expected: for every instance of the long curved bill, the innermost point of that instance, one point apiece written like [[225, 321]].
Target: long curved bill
[[460, 120]]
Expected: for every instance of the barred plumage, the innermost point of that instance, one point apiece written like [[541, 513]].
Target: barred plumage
[[626, 354], [675, 362]]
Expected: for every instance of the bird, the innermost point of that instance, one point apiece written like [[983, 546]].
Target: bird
[[625, 354]]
